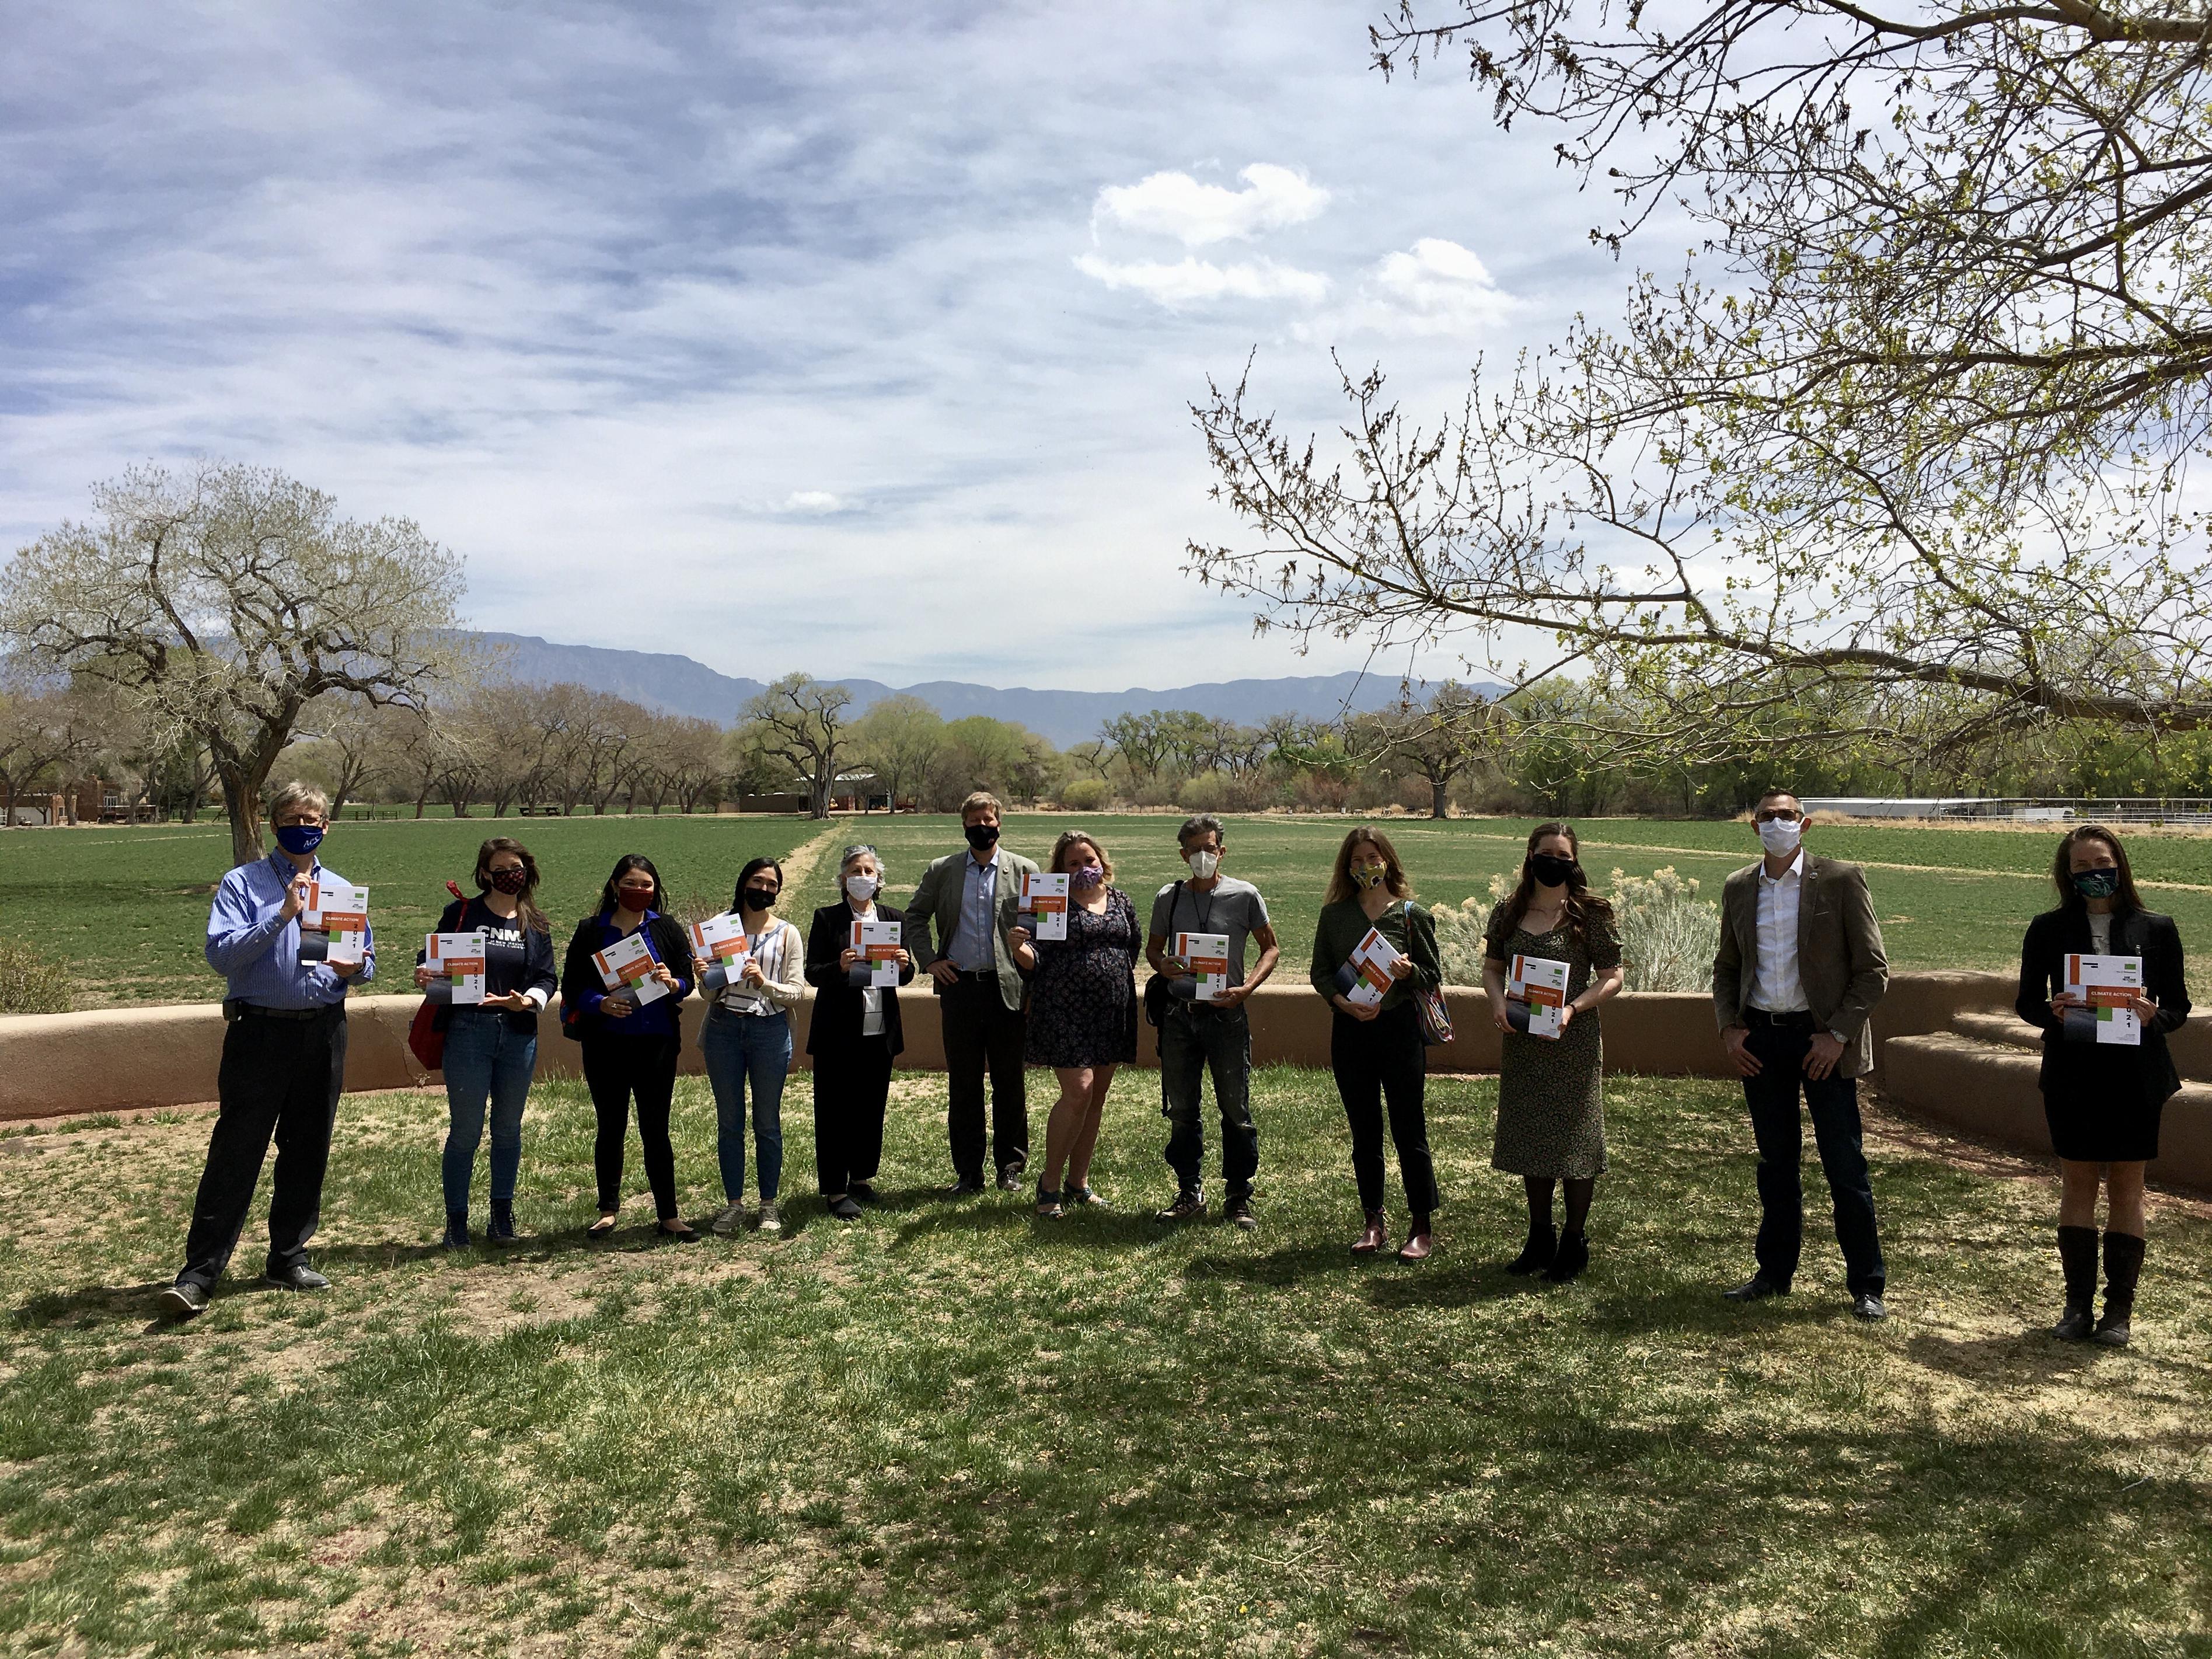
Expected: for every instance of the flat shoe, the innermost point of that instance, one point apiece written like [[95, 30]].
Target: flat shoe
[[600, 1228], [678, 1231]]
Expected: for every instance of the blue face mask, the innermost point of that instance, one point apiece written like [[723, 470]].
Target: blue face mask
[[2096, 884], [299, 837]]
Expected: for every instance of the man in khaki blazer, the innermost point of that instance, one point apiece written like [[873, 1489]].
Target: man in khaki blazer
[[1798, 972], [969, 901]]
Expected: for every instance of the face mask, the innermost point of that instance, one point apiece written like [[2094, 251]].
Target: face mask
[[1780, 836], [2096, 884], [299, 837], [511, 881], [1203, 864], [982, 837], [1369, 875], [1086, 875], [1550, 869], [632, 898], [862, 888], [759, 898]]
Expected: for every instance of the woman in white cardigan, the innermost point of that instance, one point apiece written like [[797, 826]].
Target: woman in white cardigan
[[747, 1036]]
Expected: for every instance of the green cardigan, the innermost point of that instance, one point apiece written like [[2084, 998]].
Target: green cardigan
[[1408, 927]]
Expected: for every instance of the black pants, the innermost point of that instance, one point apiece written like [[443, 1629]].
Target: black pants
[[1833, 1101], [1379, 1060], [280, 1076], [981, 1033], [614, 1068], [850, 1086]]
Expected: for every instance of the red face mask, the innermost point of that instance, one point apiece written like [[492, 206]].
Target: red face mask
[[511, 881], [634, 899]]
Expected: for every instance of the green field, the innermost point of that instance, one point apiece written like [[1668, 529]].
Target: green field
[[127, 908], [952, 1429]]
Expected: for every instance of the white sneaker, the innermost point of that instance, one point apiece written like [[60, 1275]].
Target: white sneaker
[[771, 1218], [731, 1220]]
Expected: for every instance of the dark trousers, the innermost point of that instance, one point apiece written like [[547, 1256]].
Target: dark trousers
[[851, 1086], [982, 1034], [280, 1076], [1379, 1060], [615, 1069], [1195, 1040], [1775, 1124]]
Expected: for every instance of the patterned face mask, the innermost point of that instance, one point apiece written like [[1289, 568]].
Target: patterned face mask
[[2096, 884]]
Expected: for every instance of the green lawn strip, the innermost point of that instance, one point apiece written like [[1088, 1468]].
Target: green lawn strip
[[953, 1428], [128, 908]]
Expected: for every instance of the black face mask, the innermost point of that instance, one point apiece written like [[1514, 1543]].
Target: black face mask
[[759, 898], [1550, 869], [982, 837]]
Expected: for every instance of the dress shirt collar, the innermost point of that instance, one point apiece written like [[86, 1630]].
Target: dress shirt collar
[[1796, 871], [280, 861]]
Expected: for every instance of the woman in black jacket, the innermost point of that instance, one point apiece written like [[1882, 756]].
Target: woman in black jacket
[[2102, 1100], [630, 1045], [854, 1038], [491, 1049]]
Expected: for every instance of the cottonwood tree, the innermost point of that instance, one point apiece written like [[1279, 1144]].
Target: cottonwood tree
[[802, 721], [45, 733], [1438, 739], [1909, 436], [900, 740], [225, 599]]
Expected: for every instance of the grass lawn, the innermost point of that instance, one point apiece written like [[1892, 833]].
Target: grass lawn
[[951, 1428], [127, 908]]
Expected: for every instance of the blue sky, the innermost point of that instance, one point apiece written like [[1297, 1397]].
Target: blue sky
[[854, 339]]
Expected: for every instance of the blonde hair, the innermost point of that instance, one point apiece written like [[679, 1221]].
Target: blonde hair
[[1073, 838], [296, 794], [983, 801]]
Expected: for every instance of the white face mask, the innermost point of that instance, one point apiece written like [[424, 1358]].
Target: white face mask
[[1781, 835], [862, 888], [1203, 864]]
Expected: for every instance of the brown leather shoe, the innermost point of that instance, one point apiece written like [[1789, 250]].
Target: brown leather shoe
[[1373, 1237], [1418, 1248]]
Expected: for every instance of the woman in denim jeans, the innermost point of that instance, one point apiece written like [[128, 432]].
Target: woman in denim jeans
[[491, 1049], [747, 1036]]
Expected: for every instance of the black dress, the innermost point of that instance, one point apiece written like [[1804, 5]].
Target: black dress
[[2103, 1100], [1083, 997]]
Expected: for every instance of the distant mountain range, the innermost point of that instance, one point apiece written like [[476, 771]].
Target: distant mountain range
[[680, 686]]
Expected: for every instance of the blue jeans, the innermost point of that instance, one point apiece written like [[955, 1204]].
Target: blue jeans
[[738, 1046], [486, 1059]]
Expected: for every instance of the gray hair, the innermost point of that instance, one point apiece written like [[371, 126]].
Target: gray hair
[[296, 794], [1196, 825], [845, 859]]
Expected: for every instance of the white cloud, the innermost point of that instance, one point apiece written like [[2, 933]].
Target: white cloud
[[1176, 204], [1435, 288], [1192, 281], [813, 500]]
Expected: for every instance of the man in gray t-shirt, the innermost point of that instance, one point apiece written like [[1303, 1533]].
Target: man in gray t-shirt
[[1198, 1037]]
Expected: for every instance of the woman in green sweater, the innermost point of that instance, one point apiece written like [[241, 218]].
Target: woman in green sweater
[[1374, 1046]]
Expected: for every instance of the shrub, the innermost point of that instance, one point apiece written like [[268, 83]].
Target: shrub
[[1459, 934], [1668, 934], [1085, 795], [29, 984]]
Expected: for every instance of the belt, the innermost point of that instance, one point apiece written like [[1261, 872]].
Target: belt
[[1799, 1019], [255, 1011], [990, 974]]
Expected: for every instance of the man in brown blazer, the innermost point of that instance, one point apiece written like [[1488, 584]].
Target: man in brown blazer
[[1799, 971]]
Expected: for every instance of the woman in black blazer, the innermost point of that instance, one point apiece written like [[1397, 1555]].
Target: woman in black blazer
[[2102, 1101], [854, 1038]]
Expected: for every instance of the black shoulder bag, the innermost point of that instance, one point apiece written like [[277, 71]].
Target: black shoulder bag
[[1157, 996]]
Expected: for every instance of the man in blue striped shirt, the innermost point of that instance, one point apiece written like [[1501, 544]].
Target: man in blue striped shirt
[[283, 1058]]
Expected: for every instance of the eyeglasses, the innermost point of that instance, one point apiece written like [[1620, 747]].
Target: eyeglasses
[[1777, 814]]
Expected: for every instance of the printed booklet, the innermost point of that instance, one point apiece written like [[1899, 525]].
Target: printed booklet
[[1536, 991], [1206, 955], [334, 927], [877, 942], [627, 966], [719, 942], [1364, 979], [2108, 984], [1044, 905], [456, 962]]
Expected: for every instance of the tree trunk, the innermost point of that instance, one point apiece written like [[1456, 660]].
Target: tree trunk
[[241, 800], [1436, 809]]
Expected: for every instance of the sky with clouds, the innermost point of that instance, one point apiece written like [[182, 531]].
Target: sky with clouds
[[854, 339]]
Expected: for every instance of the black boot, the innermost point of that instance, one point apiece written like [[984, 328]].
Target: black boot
[[2124, 1259], [1570, 1259], [500, 1229], [2077, 1256], [1538, 1253], [457, 1229]]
